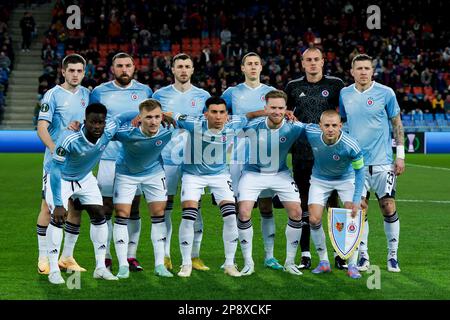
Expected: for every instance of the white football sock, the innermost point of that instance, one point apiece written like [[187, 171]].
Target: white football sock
[[318, 237], [99, 236], [268, 233], [120, 236], [245, 231], [134, 231], [159, 236], [293, 234], [230, 232], [54, 239]]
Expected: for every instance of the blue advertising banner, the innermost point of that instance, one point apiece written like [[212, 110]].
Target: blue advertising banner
[[20, 141]]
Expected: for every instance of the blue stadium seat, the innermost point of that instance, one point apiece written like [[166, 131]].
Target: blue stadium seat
[[428, 117], [418, 116], [406, 117], [439, 116]]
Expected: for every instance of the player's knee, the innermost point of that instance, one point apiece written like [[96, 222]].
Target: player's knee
[[295, 213], [96, 213], [387, 206], [314, 220]]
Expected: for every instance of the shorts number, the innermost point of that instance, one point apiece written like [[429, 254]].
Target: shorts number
[[390, 180], [295, 186], [163, 180], [230, 185]]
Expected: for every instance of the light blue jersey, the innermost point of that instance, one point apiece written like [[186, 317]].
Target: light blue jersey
[[270, 147], [206, 151], [75, 156], [243, 99], [339, 161], [118, 100], [368, 114], [240, 100], [140, 154], [191, 103], [60, 107]]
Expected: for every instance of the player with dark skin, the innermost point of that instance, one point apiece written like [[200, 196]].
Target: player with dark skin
[[94, 126]]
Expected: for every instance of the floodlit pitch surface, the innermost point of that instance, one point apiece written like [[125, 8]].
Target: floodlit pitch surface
[[424, 209]]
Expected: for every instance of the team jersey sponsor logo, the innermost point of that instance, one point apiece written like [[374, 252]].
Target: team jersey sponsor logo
[[61, 151], [302, 95], [370, 101], [45, 107], [134, 96], [283, 139], [325, 93], [158, 143], [336, 157]]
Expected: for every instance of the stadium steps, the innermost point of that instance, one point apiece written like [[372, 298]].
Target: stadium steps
[[22, 95]]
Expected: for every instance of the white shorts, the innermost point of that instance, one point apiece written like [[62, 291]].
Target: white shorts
[[193, 186], [320, 190], [236, 173], [86, 190], [173, 175], [381, 179], [253, 183], [105, 177], [153, 186]]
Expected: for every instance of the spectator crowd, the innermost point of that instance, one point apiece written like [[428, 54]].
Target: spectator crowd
[[6, 53], [411, 50]]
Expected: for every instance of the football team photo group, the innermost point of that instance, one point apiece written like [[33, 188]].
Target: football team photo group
[[224, 150]]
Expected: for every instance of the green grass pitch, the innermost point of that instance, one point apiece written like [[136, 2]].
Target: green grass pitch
[[424, 251]]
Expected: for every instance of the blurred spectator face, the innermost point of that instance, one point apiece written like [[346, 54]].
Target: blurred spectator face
[[252, 68], [183, 70], [312, 62], [123, 70], [362, 72], [74, 74]]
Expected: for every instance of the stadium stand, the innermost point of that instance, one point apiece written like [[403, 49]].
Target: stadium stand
[[412, 55], [6, 53]]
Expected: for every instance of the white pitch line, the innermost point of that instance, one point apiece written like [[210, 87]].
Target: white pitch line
[[412, 200], [427, 167]]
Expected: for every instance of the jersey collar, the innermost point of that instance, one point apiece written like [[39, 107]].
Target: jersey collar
[[123, 88], [85, 139], [274, 130], [365, 91], [182, 92], [73, 93], [250, 88]]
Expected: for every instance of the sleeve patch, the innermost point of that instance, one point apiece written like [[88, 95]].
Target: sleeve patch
[[61, 151], [44, 107]]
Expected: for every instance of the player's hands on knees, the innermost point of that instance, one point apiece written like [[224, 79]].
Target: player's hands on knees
[[60, 215], [74, 126], [399, 166], [290, 116]]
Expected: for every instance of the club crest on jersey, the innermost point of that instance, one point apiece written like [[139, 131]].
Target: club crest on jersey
[[44, 107], [102, 147], [263, 98], [158, 143], [83, 103], [193, 103], [224, 138], [325, 93], [370, 101], [134, 96], [336, 157], [283, 139]]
